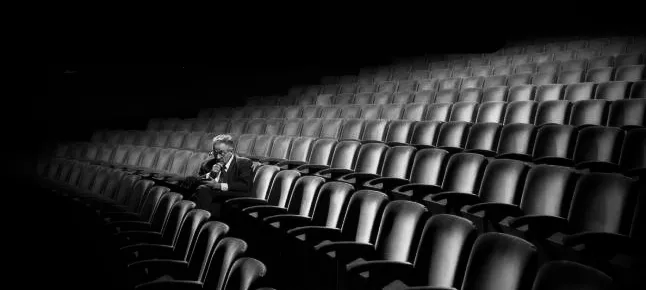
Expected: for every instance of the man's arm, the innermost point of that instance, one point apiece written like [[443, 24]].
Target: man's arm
[[242, 182]]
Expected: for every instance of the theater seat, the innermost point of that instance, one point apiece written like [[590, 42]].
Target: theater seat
[[516, 141], [627, 113], [633, 160], [483, 138], [589, 112], [491, 112], [553, 112], [368, 160], [579, 91], [343, 158], [598, 148], [564, 275]]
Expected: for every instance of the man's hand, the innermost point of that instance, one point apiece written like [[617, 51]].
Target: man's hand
[[213, 185]]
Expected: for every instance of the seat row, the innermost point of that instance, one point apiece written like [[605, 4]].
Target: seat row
[[323, 121], [601, 76], [163, 240], [333, 226], [424, 91], [594, 148]]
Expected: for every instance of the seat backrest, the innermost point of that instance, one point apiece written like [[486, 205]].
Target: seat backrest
[[126, 188], [491, 112], [453, 135], [374, 130], [516, 141], [446, 96], [238, 126], [520, 112], [148, 200], [603, 202], [292, 127], [281, 187], [179, 162], [262, 145], [499, 261], [147, 158], [322, 150], [201, 250], [552, 112], [362, 216], [304, 194], [483, 138], [164, 158], [612, 91], [564, 275], [399, 131], [331, 204], [428, 166], [350, 111], [111, 187], [244, 273], [391, 112], [352, 129], [330, 128], [245, 144], [425, 133], [554, 142], [220, 126], [369, 158], [414, 111], [370, 112], [502, 181], [184, 238], [597, 145], [443, 251], [579, 91], [627, 113], [344, 155], [633, 156], [262, 181], [100, 179], [311, 127], [631, 73], [201, 125], [464, 111], [329, 112], [548, 190], [438, 112], [397, 161], [589, 112], [226, 252], [638, 90], [273, 126], [399, 231], [177, 214], [120, 154], [192, 141], [464, 172], [255, 126], [300, 148]]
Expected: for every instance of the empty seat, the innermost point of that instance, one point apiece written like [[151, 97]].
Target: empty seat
[[291, 112], [552, 112], [598, 148], [627, 113], [351, 129], [391, 112], [382, 98], [519, 59], [563, 275], [502, 70], [347, 79], [574, 65], [470, 95], [427, 85], [310, 91], [481, 71], [525, 68], [548, 68], [345, 89], [579, 91], [543, 79], [576, 44], [420, 74], [440, 73], [633, 158], [374, 130], [452, 136], [292, 127], [521, 93], [219, 126], [519, 79], [589, 112], [238, 126], [638, 90], [245, 143], [449, 84], [351, 111], [497, 61], [330, 128], [464, 111], [472, 82], [587, 53], [363, 98], [414, 111], [407, 86], [614, 49], [483, 138], [491, 112], [549, 92], [438, 112], [554, 145], [402, 97], [387, 86], [516, 141], [399, 132], [329, 89], [425, 133], [563, 56], [311, 127], [600, 61], [370, 112], [628, 59], [311, 112], [494, 94], [612, 91], [446, 96], [520, 112], [629, 73], [599, 75], [424, 97], [461, 72], [255, 126]]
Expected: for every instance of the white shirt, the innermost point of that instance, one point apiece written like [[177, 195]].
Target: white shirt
[[224, 186]]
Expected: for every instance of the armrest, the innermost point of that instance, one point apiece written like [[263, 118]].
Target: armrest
[[136, 237], [333, 173], [287, 221], [593, 240], [380, 268], [384, 184], [130, 226], [492, 210], [357, 177], [170, 285], [271, 161], [315, 234], [347, 249], [307, 169], [239, 202], [290, 164], [415, 191], [140, 252], [262, 211], [541, 224], [156, 268]]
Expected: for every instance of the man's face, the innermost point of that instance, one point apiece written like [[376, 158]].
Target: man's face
[[221, 152]]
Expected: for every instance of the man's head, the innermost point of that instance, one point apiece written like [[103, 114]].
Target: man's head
[[223, 147]]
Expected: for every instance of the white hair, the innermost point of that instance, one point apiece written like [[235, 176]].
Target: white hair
[[224, 138]]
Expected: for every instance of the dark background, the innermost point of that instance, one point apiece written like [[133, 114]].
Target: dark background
[[123, 70]]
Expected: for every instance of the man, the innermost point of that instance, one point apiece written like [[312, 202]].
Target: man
[[224, 176]]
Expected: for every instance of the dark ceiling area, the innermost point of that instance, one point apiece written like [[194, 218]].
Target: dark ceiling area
[[116, 74]]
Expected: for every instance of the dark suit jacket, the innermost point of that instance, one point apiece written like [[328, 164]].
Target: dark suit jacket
[[239, 175]]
